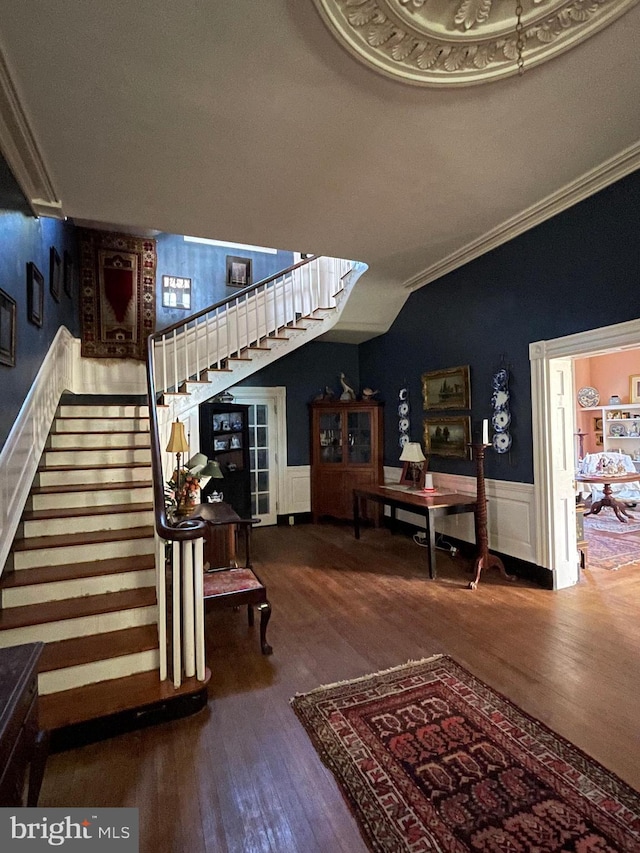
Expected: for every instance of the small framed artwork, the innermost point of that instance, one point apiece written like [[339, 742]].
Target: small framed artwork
[[55, 273], [634, 389], [446, 389], [67, 274], [220, 444], [35, 294], [599, 440], [176, 292], [238, 271], [7, 330], [413, 474], [597, 424], [447, 436]]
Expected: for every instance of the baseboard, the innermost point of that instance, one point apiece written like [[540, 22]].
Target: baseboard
[[294, 518], [514, 565], [102, 728]]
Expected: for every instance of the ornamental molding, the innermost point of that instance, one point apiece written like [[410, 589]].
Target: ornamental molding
[[462, 42]]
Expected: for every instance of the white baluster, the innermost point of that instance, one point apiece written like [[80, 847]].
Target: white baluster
[[177, 644], [161, 595], [198, 591], [188, 636], [175, 360]]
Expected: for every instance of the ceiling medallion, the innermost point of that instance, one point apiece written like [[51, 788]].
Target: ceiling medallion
[[460, 43]]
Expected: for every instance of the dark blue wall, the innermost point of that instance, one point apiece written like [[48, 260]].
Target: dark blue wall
[[24, 239], [206, 266], [305, 373], [577, 271]]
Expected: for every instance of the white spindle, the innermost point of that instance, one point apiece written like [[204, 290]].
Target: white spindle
[[237, 328], [165, 375], [188, 627], [177, 641], [161, 596], [247, 337], [208, 361], [198, 591], [175, 359]]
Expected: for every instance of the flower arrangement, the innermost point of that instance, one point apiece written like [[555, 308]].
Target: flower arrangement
[[187, 496]]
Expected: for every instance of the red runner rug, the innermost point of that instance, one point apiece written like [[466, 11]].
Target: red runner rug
[[431, 759], [118, 312]]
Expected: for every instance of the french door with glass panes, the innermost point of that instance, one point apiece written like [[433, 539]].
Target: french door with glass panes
[[264, 456]]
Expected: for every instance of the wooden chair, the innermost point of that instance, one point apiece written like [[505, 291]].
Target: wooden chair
[[226, 584]]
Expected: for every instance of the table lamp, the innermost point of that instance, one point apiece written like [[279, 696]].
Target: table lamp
[[414, 458], [178, 444]]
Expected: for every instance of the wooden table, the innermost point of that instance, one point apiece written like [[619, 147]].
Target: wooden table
[[430, 506], [606, 480], [221, 537]]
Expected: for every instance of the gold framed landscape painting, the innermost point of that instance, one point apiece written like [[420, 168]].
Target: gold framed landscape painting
[[634, 389], [446, 389], [447, 436]]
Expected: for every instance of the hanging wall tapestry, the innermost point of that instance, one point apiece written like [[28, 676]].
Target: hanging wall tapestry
[[118, 303]]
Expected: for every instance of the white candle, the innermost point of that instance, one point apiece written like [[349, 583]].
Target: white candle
[[485, 431], [428, 481]]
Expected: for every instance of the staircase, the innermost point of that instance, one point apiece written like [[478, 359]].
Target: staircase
[[83, 579]]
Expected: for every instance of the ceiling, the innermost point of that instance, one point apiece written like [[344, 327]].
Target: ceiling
[[247, 121]]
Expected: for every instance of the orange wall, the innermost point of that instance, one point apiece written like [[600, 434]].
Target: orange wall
[[608, 374]]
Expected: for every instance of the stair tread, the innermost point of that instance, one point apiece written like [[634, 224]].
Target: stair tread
[[81, 650], [92, 701], [84, 511], [102, 467], [73, 608], [97, 449], [90, 537], [97, 431], [90, 487], [77, 571]]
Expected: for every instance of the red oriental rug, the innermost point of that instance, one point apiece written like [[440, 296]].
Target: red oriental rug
[[431, 759], [118, 303]]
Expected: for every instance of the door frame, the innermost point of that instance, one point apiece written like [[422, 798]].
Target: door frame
[[550, 515], [277, 396]]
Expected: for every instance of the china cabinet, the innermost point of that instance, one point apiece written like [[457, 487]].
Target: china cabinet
[[619, 426], [224, 437], [346, 453]]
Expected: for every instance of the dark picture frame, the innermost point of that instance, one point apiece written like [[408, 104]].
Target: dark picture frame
[[35, 295], [406, 477], [447, 389], [7, 330], [55, 273], [68, 273], [176, 292], [447, 436], [239, 271]]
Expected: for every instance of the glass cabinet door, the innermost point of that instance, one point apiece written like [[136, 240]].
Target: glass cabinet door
[[359, 437], [330, 437]]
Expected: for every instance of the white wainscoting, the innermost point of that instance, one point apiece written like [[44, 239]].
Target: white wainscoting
[[298, 490], [107, 376]]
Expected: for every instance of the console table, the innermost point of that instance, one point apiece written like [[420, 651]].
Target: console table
[[22, 744], [429, 506], [606, 481]]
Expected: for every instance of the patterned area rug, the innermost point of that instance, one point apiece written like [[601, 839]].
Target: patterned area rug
[[612, 544], [118, 275], [431, 759], [607, 522]]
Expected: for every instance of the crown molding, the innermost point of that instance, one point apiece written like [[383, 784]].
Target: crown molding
[[21, 151], [588, 184]]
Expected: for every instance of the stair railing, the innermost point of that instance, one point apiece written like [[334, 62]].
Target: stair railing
[[184, 351]]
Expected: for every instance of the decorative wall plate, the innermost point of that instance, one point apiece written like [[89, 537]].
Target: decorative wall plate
[[500, 399], [617, 430], [403, 409], [501, 442], [501, 420], [588, 397]]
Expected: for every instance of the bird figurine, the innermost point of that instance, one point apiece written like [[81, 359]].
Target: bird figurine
[[347, 391]]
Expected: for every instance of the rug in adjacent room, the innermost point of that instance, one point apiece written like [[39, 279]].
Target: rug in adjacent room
[[117, 294], [613, 544], [429, 758]]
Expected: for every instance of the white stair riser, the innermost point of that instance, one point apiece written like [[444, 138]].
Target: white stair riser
[[81, 553], [100, 623], [102, 670], [98, 440], [62, 425], [42, 592], [140, 473], [91, 498], [96, 456], [104, 411], [86, 524]]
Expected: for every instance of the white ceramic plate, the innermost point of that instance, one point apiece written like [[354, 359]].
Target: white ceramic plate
[[501, 442], [501, 420], [588, 397]]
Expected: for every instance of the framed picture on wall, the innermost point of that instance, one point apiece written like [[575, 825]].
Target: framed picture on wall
[[68, 273], [7, 330], [238, 271], [55, 273], [634, 389], [35, 295], [447, 436], [447, 389], [176, 292]]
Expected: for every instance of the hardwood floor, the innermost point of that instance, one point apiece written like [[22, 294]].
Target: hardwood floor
[[242, 774]]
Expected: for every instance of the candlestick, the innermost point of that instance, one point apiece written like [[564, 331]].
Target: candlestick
[[485, 431]]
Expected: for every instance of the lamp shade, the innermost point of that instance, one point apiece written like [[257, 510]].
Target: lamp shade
[[412, 452], [177, 440], [212, 469], [196, 463]]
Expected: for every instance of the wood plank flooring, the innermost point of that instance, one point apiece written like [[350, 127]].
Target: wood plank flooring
[[242, 776]]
